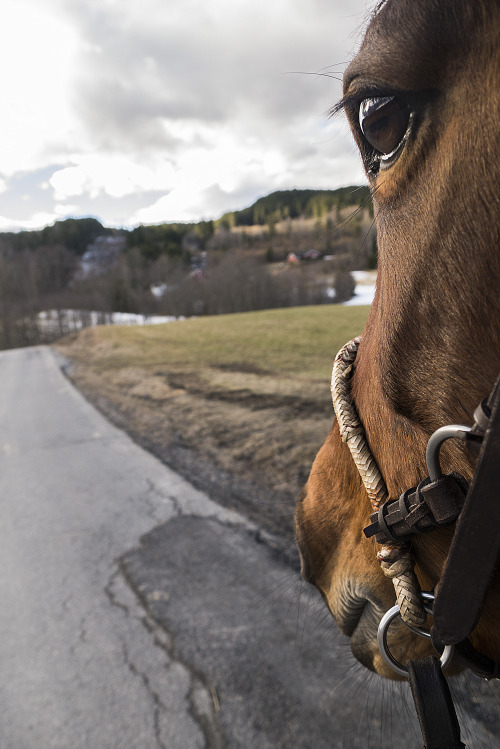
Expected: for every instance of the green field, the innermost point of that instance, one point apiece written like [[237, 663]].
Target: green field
[[297, 340]]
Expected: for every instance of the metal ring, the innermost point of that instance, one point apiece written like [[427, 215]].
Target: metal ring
[[383, 628], [457, 431], [428, 599]]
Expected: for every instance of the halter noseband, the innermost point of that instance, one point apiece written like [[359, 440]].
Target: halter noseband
[[396, 560]]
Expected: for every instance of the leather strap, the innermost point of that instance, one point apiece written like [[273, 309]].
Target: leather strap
[[475, 547], [434, 705], [419, 510]]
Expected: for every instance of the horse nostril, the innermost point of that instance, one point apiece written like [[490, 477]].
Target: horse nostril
[[305, 569], [304, 556]]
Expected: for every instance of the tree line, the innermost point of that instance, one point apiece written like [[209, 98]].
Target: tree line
[[293, 204], [168, 269], [172, 239]]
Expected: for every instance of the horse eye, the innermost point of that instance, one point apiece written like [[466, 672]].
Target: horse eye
[[384, 122]]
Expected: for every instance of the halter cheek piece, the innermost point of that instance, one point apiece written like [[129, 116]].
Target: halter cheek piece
[[438, 500]]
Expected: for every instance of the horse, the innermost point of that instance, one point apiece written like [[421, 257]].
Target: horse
[[422, 97]]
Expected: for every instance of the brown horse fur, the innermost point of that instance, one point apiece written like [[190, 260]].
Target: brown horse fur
[[431, 347]]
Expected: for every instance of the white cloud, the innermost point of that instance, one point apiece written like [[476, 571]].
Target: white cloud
[[155, 110], [37, 56], [114, 174], [65, 209], [36, 221]]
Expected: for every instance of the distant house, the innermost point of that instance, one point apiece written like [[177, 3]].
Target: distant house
[[311, 255], [101, 255]]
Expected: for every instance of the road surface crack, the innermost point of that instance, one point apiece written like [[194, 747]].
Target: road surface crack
[[155, 698], [200, 703]]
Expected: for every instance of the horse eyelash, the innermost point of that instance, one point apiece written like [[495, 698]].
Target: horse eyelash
[[353, 100], [345, 102]]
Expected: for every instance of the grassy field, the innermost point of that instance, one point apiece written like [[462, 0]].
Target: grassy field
[[239, 404], [299, 340]]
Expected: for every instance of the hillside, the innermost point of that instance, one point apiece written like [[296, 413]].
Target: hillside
[[294, 204], [289, 248], [76, 235], [73, 234]]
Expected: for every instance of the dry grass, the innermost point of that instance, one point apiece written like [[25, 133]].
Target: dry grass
[[239, 404]]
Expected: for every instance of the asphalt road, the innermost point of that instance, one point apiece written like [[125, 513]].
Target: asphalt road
[[137, 613]]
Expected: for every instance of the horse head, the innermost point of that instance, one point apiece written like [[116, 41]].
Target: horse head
[[422, 97]]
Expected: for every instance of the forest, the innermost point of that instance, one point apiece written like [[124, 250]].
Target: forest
[[290, 248]]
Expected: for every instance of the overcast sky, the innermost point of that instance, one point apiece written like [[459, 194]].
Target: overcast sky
[[144, 111]]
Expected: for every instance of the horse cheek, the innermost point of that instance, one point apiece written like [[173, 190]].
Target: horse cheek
[[329, 521]]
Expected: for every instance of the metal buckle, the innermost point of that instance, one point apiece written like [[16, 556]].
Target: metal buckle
[[383, 628], [453, 431]]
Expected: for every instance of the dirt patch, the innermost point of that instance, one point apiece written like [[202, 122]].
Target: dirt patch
[[248, 438], [246, 367], [246, 397]]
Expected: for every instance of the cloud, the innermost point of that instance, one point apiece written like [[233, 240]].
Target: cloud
[[234, 172], [157, 110], [37, 53], [34, 199], [144, 66], [115, 174]]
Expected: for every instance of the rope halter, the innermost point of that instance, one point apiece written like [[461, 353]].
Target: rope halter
[[396, 560]]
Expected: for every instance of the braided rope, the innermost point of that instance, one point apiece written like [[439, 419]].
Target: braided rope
[[396, 561]]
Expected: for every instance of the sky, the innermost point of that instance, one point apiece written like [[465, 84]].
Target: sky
[[152, 111]]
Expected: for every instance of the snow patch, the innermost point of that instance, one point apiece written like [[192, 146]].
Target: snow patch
[[364, 290]]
